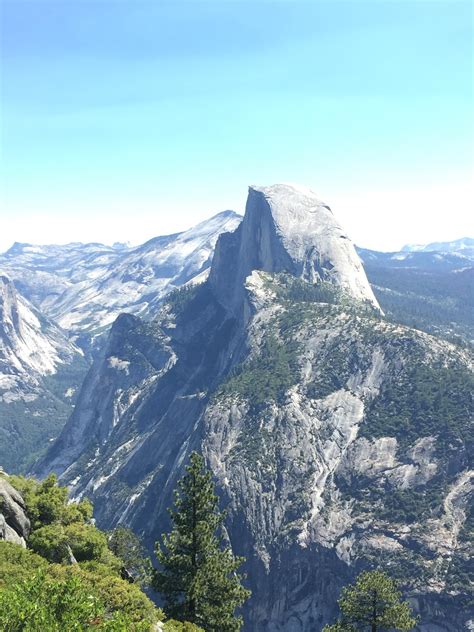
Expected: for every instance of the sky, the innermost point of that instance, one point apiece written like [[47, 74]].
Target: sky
[[126, 119]]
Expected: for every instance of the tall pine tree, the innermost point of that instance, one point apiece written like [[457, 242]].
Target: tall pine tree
[[197, 575], [372, 604]]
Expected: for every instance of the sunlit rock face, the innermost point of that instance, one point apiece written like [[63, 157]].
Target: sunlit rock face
[[337, 440], [287, 228]]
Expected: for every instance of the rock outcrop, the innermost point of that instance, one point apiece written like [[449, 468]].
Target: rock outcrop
[[14, 524]]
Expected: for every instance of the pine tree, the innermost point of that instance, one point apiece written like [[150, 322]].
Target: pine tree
[[198, 576], [372, 604], [127, 547]]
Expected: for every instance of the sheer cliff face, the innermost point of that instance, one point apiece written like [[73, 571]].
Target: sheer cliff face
[[286, 228], [337, 440]]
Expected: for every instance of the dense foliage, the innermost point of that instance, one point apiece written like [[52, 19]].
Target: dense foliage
[[295, 290], [423, 400], [373, 604], [48, 604], [267, 376], [197, 576], [71, 575]]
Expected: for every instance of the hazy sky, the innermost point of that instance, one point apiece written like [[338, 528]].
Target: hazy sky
[[125, 119]]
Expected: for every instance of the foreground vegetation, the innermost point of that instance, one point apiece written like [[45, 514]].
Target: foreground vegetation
[[73, 576]]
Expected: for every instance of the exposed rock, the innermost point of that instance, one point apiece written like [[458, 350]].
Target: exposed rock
[[28, 342], [286, 228], [14, 524]]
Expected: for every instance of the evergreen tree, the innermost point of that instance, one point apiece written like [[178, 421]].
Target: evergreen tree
[[127, 547], [198, 576], [372, 604]]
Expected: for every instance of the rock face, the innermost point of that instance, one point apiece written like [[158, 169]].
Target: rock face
[[286, 228], [32, 351], [14, 524], [338, 440], [28, 342]]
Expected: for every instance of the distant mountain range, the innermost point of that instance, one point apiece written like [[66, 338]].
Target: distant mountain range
[[463, 246], [84, 287], [431, 291]]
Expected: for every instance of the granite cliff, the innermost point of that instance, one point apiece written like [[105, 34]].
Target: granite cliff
[[338, 440]]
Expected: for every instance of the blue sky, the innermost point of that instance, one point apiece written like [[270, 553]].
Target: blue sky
[[124, 119]]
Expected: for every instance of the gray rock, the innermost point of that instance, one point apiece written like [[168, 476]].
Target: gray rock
[[14, 524], [286, 228]]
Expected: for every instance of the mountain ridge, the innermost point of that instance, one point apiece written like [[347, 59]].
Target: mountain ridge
[[464, 245], [83, 287], [35, 354], [317, 419]]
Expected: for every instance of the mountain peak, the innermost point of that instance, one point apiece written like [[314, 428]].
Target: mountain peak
[[287, 228], [287, 190]]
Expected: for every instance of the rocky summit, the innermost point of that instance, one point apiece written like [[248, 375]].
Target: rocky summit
[[287, 228], [337, 438]]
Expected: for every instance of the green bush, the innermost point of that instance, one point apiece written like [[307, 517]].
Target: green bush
[[55, 605], [178, 626], [115, 593], [47, 502], [17, 563], [86, 542]]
